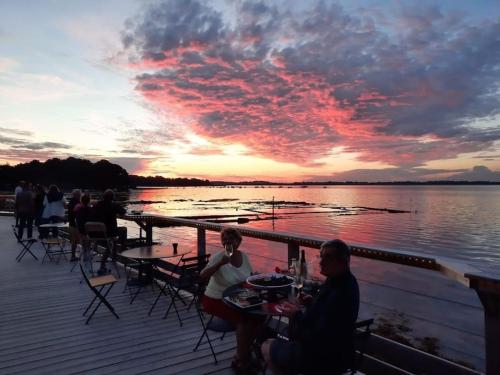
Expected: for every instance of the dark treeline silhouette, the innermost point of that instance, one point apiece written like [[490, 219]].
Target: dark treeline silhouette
[[80, 173], [158, 181], [67, 174]]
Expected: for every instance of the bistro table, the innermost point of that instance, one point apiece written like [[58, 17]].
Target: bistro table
[[146, 256], [54, 225]]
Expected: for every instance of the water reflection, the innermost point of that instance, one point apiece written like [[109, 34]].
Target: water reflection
[[455, 221]]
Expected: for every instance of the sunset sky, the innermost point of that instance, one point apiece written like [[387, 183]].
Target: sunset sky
[[242, 90]]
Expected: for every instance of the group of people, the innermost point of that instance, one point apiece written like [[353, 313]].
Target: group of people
[[42, 207], [36, 205], [321, 327]]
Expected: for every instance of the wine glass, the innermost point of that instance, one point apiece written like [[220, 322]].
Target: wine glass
[[229, 250], [299, 278]]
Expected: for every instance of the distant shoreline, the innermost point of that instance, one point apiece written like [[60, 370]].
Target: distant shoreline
[[307, 184]]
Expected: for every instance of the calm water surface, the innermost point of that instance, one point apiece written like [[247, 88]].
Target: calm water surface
[[461, 222]]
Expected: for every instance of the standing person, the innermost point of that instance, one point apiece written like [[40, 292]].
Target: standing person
[[53, 207], [322, 336], [106, 211], [18, 190], [83, 214], [38, 201], [224, 271], [74, 235], [25, 210]]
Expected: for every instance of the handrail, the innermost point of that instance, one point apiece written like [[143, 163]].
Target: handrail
[[456, 270]]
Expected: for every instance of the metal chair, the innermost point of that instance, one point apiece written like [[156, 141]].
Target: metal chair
[[214, 324], [97, 236], [98, 285], [26, 244], [52, 247], [185, 276]]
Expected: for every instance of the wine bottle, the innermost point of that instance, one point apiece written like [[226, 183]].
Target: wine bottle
[[303, 265]]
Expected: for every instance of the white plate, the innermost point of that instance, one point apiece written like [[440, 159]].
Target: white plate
[[251, 280]]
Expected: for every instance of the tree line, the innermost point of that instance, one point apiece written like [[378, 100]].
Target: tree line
[[81, 173]]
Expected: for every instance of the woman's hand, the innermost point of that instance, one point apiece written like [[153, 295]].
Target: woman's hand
[[305, 299], [290, 308]]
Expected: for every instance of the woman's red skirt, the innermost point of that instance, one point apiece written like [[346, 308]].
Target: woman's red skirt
[[218, 308]]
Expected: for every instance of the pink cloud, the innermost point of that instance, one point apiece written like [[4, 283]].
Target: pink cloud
[[292, 87]]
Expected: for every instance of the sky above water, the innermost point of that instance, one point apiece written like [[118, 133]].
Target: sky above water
[[245, 90]]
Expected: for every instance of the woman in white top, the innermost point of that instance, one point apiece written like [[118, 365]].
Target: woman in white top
[[53, 209], [222, 272]]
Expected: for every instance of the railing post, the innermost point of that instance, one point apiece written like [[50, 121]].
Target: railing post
[[149, 233], [293, 251], [202, 248], [489, 294]]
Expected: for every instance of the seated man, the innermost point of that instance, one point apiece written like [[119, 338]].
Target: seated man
[[106, 211], [322, 336]]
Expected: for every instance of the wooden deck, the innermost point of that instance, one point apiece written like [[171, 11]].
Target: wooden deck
[[43, 331]]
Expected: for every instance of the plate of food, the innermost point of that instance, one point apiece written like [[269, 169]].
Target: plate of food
[[246, 298], [270, 280]]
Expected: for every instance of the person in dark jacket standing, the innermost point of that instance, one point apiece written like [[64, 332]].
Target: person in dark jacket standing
[[106, 211], [74, 234], [38, 200], [322, 336], [25, 209]]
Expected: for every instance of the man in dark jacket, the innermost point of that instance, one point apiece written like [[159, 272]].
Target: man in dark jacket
[[25, 209], [106, 211], [322, 336]]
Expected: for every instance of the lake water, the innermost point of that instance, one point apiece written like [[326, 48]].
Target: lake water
[[461, 222]]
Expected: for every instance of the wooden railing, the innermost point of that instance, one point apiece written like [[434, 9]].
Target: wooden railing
[[486, 285]]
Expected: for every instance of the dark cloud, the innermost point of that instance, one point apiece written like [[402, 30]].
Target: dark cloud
[[292, 86], [15, 131], [478, 173]]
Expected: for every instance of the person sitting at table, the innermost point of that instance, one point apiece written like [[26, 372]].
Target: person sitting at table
[[106, 211], [322, 336], [224, 271]]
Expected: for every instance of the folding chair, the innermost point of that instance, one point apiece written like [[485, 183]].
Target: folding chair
[[98, 285], [96, 232], [185, 276], [26, 244], [214, 324], [52, 247]]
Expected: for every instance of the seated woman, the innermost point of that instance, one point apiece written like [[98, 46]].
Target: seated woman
[[222, 272]]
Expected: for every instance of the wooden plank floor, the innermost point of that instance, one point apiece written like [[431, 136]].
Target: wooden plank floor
[[43, 331]]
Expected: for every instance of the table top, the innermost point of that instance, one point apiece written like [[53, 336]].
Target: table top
[[153, 252], [273, 297], [54, 225]]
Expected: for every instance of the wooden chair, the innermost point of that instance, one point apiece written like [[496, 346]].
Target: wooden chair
[[362, 333], [98, 285], [26, 244]]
